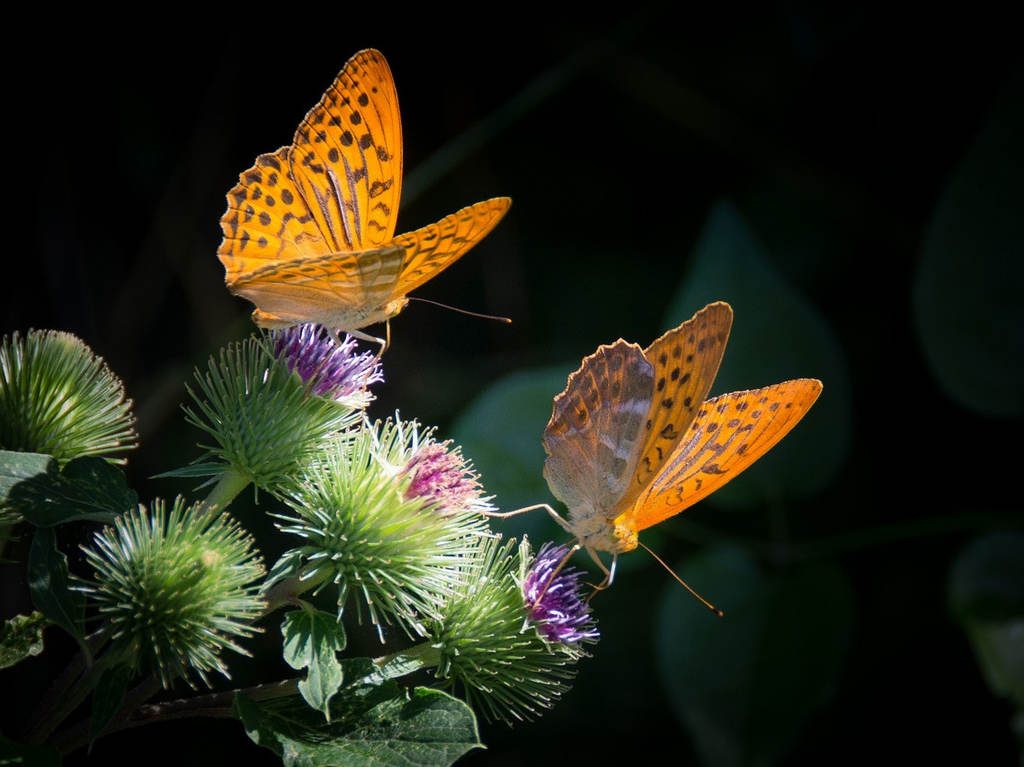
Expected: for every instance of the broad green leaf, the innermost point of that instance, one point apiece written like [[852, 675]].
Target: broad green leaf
[[501, 433], [371, 726], [21, 637], [16, 467], [967, 288], [48, 585], [88, 488], [311, 640], [986, 590], [107, 697], [24, 755], [776, 335], [745, 685]]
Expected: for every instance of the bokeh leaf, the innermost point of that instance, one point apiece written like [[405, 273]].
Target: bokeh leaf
[[26, 755], [108, 697], [967, 289], [777, 335], [311, 640], [986, 593], [21, 637], [745, 685], [371, 726], [501, 432]]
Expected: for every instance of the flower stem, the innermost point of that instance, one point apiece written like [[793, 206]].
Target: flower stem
[[230, 484]]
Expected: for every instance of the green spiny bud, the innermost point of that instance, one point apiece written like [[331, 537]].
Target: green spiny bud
[[175, 589]]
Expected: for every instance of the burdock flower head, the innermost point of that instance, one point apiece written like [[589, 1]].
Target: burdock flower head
[[332, 368], [437, 472], [388, 552], [489, 646], [175, 589], [264, 420], [552, 593], [57, 397]]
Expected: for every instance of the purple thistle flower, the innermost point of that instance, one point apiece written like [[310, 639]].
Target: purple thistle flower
[[560, 614], [440, 475], [334, 369]]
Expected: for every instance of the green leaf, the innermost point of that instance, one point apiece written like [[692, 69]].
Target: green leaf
[[501, 433], [745, 685], [776, 335], [967, 305], [371, 726], [107, 697], [88, 488], [48, 586], [21, 637], [986, 593], [311, 639], [24, 755]]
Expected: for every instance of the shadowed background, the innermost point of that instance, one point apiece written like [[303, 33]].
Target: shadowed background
[[849, 181]]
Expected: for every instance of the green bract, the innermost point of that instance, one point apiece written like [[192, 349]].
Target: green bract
[[363, 533], [262, 416], [489, 647], [175, 589], [57, 397]]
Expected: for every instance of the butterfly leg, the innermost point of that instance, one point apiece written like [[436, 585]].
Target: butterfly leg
[[609, 572], [384, 343], [554, 514], [554, 573]]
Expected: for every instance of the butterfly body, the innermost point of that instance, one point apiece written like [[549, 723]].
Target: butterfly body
[[309, 232], [634, 440]]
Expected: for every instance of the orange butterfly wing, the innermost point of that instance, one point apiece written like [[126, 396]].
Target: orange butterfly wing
[[685, 362], [346, 156], [434, 248], [729, 433]]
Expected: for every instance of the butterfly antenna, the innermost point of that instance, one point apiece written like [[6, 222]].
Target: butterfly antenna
[[575, 547], [506, 320], [684, 584]]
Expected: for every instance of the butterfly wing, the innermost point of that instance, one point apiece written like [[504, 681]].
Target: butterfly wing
[[596, 428], [267, 220], [434, 248], [347, 156], [729, 433], [685, 362]]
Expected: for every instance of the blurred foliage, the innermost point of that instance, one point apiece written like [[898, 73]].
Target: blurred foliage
[[967, 301]]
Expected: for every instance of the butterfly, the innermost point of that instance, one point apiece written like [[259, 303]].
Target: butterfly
[[309, 229], [633, 439]]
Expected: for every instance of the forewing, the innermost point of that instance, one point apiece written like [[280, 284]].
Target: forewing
[[729, 433], [347, 156], [685, 362], [434, 248], [596, 426], [266, 221]]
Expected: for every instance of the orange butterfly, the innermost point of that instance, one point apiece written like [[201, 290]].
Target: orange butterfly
[[632, 440], [309, 229]]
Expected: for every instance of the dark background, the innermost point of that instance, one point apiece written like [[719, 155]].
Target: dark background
[[827, 137]]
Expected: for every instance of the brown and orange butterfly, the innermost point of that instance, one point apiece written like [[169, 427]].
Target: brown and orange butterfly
[[309, 229], [633, 440]]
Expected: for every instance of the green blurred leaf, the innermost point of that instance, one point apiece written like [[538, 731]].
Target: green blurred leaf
[[967, 289], [311, 639], [88, 488], [48, 586], [207, 469], [24, 755], [21, 637], [371, 726], [776, 335], [746, 684], [986, 593], [501, 432], [107, 698]]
